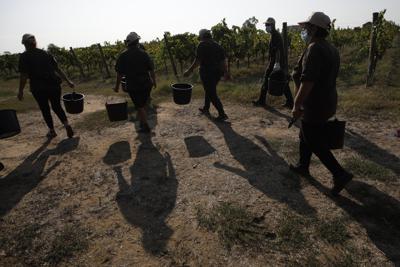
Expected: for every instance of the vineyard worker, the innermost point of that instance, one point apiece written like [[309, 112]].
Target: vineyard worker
[[275, 55], [45, 83], [316, 98], [210, 56], [138, 68]]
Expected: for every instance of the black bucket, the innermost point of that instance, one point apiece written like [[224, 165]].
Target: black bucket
[[9, 125], [117, 111], [182, 93], [73, 102], [275, 87]]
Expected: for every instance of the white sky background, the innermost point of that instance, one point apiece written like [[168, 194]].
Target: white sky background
[[79, 23]]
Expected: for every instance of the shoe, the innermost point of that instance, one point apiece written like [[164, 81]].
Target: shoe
[[51, 134], [288, 105], [300, 170], [258, 103], [339, 183], [221, 118], [70, 132], [1, 166], [204, 111]]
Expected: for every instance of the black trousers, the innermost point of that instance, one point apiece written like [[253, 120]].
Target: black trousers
[[312, 140], [210, 83], [53, 95], [264, 91]]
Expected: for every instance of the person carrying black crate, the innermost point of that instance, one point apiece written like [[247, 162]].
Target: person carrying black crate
[[136, 65], [45, 82], [275, 56], [316, 98]]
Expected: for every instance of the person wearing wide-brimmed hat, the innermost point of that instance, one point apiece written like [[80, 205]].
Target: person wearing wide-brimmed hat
[[138, 68], [45, 78], [275, 55], [316, 98]]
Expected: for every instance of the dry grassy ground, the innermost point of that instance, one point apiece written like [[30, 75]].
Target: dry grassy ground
[[195, 193]]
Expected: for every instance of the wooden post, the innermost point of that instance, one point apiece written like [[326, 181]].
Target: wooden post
[[104, 61], [78, 63], [170, 55], [372, 50], [285, 47]]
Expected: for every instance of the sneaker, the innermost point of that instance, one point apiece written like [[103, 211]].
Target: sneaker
[[204, 111], [339, 183], [259, 103], [300, 170], [70, 132], [221, 118], [51, 134]]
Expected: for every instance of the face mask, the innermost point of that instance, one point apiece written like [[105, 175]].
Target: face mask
[[305, 36], [268, 28]]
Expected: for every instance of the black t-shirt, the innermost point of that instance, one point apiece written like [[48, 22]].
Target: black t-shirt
[[319, 64], [211, 55], [135, 64], [40, 67]]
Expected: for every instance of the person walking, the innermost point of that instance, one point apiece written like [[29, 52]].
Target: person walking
[[316, 98], [45, 79], [275, 55], [138, 68], [210, 56]]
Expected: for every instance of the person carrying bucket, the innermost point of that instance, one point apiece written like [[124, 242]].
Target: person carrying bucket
[[138, 68], [211, 58], [45, 82], [275, 55], [316, 98]]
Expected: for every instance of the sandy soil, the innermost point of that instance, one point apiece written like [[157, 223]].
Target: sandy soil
[[136, 195]]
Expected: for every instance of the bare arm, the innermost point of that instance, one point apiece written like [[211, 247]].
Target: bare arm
[[194, 65], [153, 78], [64, 77], [22, 82], [117, 82], [301, 96]]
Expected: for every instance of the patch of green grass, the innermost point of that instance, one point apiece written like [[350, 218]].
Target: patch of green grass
[[291, 231], [234, 225], [377, 101], [26, 105], [333, 231], [364, 168], [71, 240]]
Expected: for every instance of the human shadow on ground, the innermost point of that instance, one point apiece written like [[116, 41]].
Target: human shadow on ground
[[375, 211], [151, 195], [29, 173], [117, 153], [198, 147], [281, 186], [362, 146]]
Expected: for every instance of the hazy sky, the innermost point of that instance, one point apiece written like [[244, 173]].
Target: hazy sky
[[84, 22]]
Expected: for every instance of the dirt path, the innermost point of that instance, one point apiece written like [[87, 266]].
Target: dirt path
[[135, 197]]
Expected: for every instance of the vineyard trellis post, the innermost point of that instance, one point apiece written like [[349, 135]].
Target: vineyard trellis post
[[170, 54], [285, 46], [372, 50], [104, 61], [78, 63]]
